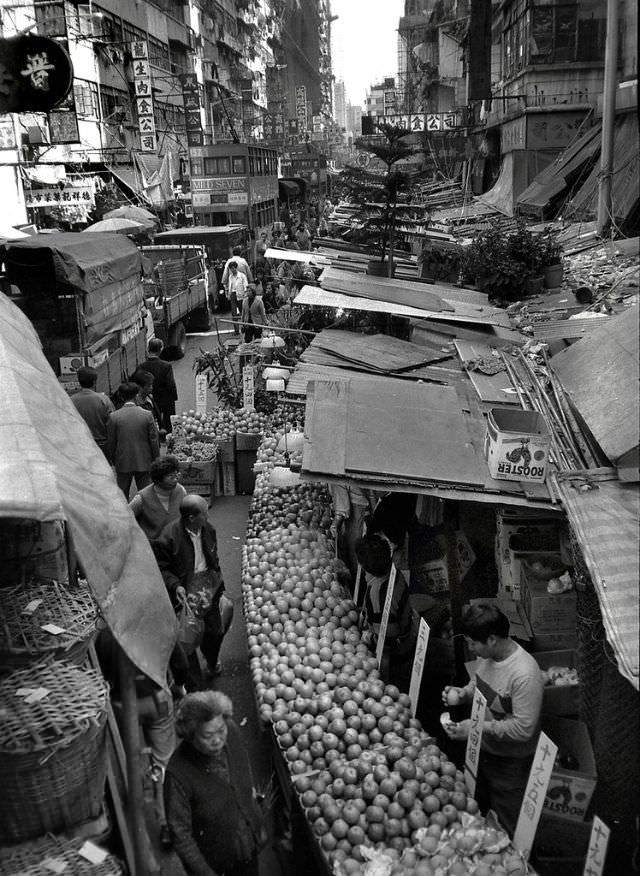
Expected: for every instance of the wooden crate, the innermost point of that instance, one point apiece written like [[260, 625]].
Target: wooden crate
[[228, 478]]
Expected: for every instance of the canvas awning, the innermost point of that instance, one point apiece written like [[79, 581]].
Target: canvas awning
[[51, 469], [387, 433], [605, 516], [132, 179]]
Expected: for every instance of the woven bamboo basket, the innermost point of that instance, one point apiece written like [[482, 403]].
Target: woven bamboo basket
[[52, 749], [22, 637], [40, 857]]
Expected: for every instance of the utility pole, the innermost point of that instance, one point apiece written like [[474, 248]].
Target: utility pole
[[605, 204]]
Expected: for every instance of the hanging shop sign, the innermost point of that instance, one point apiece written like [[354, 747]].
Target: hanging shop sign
[[71, 194], [37, 74], [7, 133], [191, 104], [301, 108], [422, 121], [144, 95], [63, 120]]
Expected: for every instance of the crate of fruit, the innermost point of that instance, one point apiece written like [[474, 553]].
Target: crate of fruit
[[193, 451]]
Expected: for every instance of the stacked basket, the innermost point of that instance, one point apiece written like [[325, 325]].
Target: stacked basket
[[45, 619], [54, 855], [52, 748]]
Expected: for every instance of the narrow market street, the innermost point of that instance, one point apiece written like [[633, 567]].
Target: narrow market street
[[228, 514]]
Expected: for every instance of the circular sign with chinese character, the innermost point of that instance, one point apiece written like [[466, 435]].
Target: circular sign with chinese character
[[35, 74]]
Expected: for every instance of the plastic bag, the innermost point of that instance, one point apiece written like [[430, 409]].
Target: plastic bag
[[190, 629]]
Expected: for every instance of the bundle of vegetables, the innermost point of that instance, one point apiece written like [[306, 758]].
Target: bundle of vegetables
[[379, 794], [193, 451]]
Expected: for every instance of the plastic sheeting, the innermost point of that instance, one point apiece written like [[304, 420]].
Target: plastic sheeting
[[500, 195], [605, 515], [51, 469]]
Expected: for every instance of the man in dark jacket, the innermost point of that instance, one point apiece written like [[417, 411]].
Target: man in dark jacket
[[164, 384], [187, 555], [132, 440], [95, 408]]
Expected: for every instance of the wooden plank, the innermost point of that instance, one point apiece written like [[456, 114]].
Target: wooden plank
[[378, 352], [567, 329], [384, 289], [495, 388], [410, 431], [325, 434]]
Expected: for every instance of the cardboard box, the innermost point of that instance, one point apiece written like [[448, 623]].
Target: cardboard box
[[560, 846], [516, 445], [558, 640], [570, 790], [547, 612], [561, 699], [197, 473], [531, 535]]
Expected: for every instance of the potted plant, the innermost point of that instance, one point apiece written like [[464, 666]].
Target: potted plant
[[488, 264], [382, 195], [552, 260]]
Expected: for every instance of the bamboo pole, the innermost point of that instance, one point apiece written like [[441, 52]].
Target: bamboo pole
[[605, 205]]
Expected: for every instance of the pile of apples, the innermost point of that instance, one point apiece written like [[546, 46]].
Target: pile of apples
[[194, 427], [372, 783]]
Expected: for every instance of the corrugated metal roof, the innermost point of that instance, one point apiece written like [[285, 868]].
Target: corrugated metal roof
[[600, 373], [605, 515]]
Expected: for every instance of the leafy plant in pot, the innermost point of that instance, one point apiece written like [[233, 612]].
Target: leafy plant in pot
[[382, 195], [488, 263]]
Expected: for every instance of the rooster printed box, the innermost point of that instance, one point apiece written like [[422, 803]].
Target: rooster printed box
[[516, 445], [574, 777]]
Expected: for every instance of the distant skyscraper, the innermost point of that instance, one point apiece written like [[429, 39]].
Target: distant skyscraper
[[340, 104]]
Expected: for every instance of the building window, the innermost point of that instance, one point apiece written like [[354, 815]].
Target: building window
[[131, 34], [239, 164], [217, 166], [116, 105], [196, 167], [159, 54], [86, 98]]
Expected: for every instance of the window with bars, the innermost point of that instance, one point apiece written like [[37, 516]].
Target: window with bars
[[86, 97], [116, 105], [168, 116], [159, 54], [131, 34]]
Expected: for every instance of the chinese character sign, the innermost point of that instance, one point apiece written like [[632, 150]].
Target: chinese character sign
[[144, 95], [474, 741], [36, 74], [534, 795], [201, 393], [247, 387], [598, 842], [53, 196], [419, 659], [386, 611], [301, 108], [191, 104]]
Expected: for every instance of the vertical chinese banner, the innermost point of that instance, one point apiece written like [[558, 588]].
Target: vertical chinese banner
[[191, 104], [144, 95], [419, 659], [201, 393], [474, 741], [301, 110], [535, 792], [247, 387], [597, 853]]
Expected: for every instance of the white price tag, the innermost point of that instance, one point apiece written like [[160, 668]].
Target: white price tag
[[536, 790], [386, 611], [92, 853], [54, 629], [419, 659], [474, 740], [598, 842], [30, 607], [201, 393], [55, 865], [247, 387]]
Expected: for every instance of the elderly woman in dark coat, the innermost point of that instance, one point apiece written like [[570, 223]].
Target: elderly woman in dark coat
[[210, 800]]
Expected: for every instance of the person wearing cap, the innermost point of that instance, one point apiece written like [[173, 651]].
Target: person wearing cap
[[95, 408]]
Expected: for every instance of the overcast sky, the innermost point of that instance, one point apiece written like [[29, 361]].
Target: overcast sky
[[365, 43]]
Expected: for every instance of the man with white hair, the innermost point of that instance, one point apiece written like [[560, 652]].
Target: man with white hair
[[187, 555]]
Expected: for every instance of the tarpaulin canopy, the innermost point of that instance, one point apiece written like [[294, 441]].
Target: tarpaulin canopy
[[105, 269], [51, 469], [605, 516]]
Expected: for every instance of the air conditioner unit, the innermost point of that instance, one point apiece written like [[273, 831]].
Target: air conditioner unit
[[35, 136]]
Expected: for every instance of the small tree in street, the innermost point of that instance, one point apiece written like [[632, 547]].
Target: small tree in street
[[382, 195]]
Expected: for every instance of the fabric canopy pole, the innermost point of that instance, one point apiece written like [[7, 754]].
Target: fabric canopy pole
[[52, 469]]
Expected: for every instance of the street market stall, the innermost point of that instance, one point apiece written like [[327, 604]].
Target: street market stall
[[55, 480]]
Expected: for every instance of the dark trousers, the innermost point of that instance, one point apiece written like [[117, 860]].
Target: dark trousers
[[124, 478], [251, 332], [501, 785]]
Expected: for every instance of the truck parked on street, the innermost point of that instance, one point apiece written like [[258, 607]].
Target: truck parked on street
[[83, 294], [175, 292]]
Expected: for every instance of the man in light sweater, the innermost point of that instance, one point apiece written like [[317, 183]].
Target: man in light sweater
[[512, 682]]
